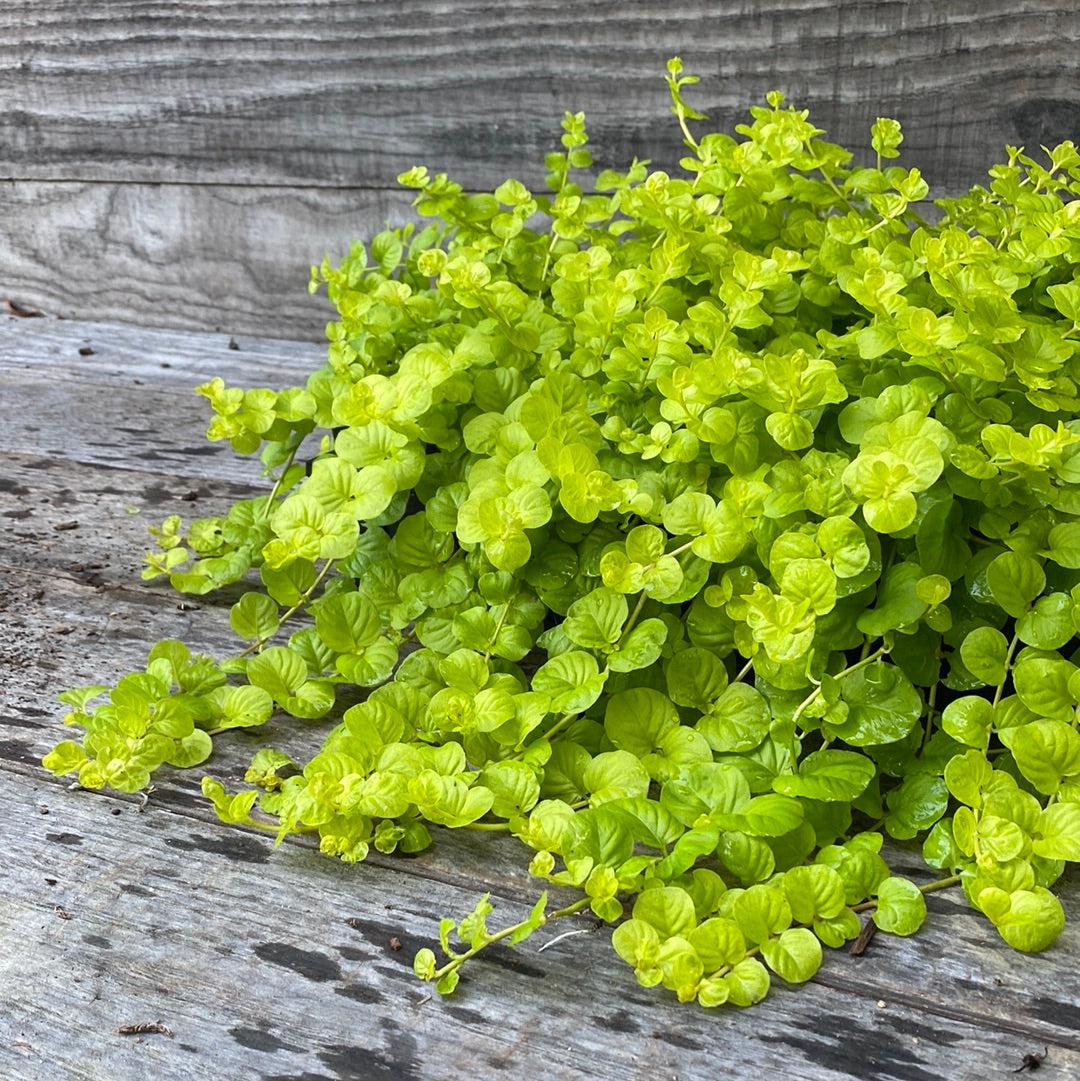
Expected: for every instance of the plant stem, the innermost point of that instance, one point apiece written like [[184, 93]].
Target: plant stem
[[629, 625], [498, 628], [930, 887], [277, 483], [869, 659], [931, 704], [940, 884], [560, 724], [832, 184], [506, 932], [1004, 679], [725, 969], [304, 598], [808, 701], [691, 142], [547, 262]]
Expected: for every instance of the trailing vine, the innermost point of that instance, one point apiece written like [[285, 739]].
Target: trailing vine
[[700, 531]]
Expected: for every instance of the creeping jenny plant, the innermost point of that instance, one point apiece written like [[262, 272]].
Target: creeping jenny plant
[[698, 531]]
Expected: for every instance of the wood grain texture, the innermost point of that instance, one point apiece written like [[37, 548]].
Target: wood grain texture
[[231, 258], [169, 919], [179, 359], [168, 922], [168, 903], [350, 92], [182, 162], [84, 411]]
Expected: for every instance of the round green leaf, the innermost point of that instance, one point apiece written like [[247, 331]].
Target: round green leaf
[[795, 956], [828, 775], [669, 910], [901, 907], [883, 706], [572, 680], [983, 652], [1015, 580], [637, 720]]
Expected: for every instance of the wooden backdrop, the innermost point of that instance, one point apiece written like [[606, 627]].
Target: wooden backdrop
[[182, 162]]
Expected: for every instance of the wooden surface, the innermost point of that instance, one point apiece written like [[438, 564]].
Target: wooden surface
[[181, 162], [111, 916], [232, 257]]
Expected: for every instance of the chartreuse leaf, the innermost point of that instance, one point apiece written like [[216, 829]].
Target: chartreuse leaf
[[254, 616], [240, 707], [695, 677], [738, 719], [668, 910], [637, 942], [761, 911], [915, 805], [571, 680], [1058, 832], [747, 982], [596, 621], [984, 653], [1027, 919], [969, 720], [747, 859], [828, 775], [1049, 623], [795, 955], [638, 720], [1042, 684], [66, 757], [967, 776], [814, 892], [901, 907], [1015, 580], [698, 528], [615, 775], [1046, 752], [883, 706], [1063, 545]]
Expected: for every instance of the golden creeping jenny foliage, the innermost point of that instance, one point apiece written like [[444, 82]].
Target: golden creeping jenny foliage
[[728, 522]]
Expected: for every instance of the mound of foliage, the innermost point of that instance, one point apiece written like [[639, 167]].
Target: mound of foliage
[[698, 531]]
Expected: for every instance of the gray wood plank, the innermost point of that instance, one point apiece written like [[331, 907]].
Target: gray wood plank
[[956, 1001], [111, 510], [170, 900], [311, 92], [231, 258], [168, 357], [109, 629], [174, 924], [182, 162], [132, 401], [59, 514], [93, 424]]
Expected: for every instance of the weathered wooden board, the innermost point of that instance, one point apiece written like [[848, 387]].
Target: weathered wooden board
[[170, 922], [245, 953], [208, 257], [58, 403], [179, 359], [956, 950], [336, 92], [181, 163], [48, 499]]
